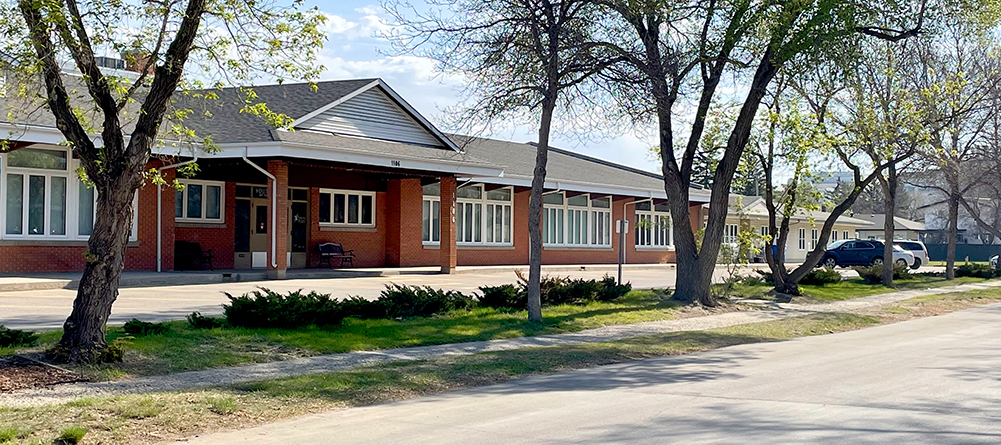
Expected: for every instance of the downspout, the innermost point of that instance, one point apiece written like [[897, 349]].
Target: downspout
[[159, 212], [274, 207]]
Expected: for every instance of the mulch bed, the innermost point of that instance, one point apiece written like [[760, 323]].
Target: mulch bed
[[17, 373]]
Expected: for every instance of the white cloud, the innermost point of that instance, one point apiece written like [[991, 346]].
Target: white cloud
[[367, 26]]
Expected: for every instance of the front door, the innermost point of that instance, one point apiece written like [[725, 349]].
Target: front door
[[251, 228], [298, 227]]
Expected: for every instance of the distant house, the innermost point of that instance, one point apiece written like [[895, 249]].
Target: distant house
[[750, 212], [902, 228]]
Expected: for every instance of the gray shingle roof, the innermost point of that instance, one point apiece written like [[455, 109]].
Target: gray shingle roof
[[877, 220], [366, 145], [228, 125], [518, 160]]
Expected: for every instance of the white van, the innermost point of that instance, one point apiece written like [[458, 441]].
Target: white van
[[918, 249]]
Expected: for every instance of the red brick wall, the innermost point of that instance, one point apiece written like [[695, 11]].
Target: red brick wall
[[69, 256], [369, 245], [218, 237]]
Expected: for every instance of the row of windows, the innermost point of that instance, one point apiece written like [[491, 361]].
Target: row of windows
[[481, 216], [579, 220], [653, 225], [43, 196]]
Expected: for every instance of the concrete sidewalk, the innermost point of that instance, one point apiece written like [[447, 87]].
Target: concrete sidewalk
[[336, 362], [932, 380]]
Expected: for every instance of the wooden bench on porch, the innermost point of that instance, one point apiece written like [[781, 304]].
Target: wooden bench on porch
[[189, 255], [334, 251]]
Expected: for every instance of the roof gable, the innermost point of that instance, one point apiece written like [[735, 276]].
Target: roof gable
[[374, 111]]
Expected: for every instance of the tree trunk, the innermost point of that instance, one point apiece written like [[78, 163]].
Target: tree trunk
[[83, 339], [950, 252], [889, 209], [535, 214]]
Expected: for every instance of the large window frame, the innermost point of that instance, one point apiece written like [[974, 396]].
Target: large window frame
[[71, 208], [654, 227], [567, 224], [802, 239], [203, 186], [360, 197]]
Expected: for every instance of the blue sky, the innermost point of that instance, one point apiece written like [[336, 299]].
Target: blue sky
[[353, 50]]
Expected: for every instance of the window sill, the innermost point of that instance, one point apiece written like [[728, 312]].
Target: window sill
[[654, 248], [485, 246], [188, 224], [599, 248], [330, 228]]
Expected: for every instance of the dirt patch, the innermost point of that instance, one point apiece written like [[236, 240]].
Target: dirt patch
[[18, 373]]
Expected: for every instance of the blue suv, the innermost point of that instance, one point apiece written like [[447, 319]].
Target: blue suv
[[855, 253]]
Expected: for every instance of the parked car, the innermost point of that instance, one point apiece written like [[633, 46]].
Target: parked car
[[862, 253], [916, 248]]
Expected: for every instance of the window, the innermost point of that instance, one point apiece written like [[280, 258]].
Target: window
[[730, 233], [199, 201], [845, 235], [653, 225], [347, 208], [580, 221], [484, 216], [813, 239], [834, 235], [431, 214], [43, 197], [802, 239]]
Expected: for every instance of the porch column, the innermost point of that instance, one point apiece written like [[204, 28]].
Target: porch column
[[403, 240], [447, 252], [278, 208]]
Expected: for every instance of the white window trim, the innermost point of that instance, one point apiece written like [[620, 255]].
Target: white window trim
[[566, 207], [358, 193], [430, 241], [802, 239], [814, 238], [72, 207], [654, 214], [203, 219], [484, 202]]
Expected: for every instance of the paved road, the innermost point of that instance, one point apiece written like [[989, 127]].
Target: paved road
[[47, 309], [932, 380]]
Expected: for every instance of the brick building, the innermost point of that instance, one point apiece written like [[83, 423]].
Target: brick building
[[360, 167]]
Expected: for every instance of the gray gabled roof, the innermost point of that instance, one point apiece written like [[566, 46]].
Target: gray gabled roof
[[564, 166]]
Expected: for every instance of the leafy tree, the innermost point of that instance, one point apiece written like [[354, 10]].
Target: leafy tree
[[175, 43], [685, 48], [524, 60]]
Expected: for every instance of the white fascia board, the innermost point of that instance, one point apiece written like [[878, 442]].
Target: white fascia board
[[578, 187], [33, 133], [302, 151]]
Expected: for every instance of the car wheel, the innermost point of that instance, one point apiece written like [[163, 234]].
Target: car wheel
[[878, 261], [917, 264], [900, 263], [830, 262]]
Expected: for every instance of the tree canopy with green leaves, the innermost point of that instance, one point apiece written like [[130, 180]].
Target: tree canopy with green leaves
[[113, 122]]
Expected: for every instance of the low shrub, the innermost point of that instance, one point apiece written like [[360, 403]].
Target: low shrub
[[609, 290], [70, 435], [402, 301], [505, 296], [198, 321], [821, 276], [765, 276], [139, 328], [265, 308], [976, 271], [359, 307], [16, 337], [874, 274]]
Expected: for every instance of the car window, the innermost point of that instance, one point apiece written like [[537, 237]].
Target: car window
[[909, 246], [865, 245], [849, 245]]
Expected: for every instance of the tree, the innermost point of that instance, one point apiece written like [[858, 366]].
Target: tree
[[686, 48], [180, 41], [524, 59], [886, 121], [959, 71]]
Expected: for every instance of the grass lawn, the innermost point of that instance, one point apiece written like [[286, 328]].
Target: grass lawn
[[162, 417], [184, 349], [959, 262], [854, 288]]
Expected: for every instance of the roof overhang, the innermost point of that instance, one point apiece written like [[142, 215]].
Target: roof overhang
[[588, 187], [343, 155]]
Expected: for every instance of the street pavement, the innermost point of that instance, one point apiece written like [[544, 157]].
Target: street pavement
[[930, 380], [47, 309]]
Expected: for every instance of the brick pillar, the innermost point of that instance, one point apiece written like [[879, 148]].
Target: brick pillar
[[168, 198], [447, 252], [404, 212], [280, 212]]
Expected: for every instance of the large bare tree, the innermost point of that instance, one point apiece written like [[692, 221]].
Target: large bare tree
[[524, 60], [178, 44]]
